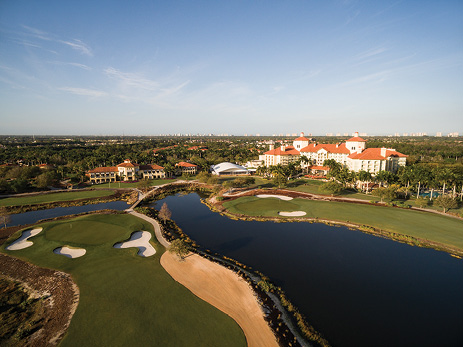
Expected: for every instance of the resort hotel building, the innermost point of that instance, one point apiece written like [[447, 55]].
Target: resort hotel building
[[352, 154], [126, 171]]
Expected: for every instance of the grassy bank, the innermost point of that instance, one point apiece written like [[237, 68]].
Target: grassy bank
[[54, 197], [433, 227], [152, 183], [126, 299]]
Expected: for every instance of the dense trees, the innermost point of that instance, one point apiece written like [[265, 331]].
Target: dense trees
[[331, 187]]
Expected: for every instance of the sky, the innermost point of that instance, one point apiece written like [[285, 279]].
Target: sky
[[230, 67]]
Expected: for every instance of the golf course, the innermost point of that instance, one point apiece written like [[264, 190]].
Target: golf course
[[35, 199], [423, 225], [125, 298]]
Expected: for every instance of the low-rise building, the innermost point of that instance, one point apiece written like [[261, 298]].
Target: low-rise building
[[151, 171], [126, 171], [185, 168], [103, 174], [229, 169]]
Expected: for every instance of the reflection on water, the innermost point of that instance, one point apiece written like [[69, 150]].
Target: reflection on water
[[34, 216], [356, 289]]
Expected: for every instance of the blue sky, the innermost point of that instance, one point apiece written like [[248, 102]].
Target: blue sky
[[236, 67]]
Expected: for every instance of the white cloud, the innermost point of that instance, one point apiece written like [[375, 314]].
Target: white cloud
[[85, 92], [79, 46], [129, 80], [81, 66]]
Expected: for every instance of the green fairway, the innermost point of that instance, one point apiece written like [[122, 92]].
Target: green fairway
[[55, 197], [155, 182], [433, 227], [125, 299]]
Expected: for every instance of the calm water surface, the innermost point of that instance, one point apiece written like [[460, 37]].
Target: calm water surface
[[34, 216], [357, 289]]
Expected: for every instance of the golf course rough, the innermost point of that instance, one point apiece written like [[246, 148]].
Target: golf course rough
[[142, 302]]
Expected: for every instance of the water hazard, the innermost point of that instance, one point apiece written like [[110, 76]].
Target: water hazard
[[35, 216], [356, 289]]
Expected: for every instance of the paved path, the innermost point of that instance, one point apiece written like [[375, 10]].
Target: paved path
[[156, 226]]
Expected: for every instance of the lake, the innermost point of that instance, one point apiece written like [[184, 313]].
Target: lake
[[356, 289], [35, 216]]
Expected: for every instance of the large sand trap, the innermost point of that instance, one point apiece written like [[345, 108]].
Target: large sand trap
[[139, 239], [292, 214], [70, 252], [281, 197], [22, 241], [225, 290]]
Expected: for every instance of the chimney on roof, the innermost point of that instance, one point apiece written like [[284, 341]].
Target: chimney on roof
[[383, 152], [271, 147], [356, 134], [302, 134], [283, 147], [337, 145]]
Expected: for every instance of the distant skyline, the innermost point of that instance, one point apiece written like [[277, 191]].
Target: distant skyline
[[234, 67]]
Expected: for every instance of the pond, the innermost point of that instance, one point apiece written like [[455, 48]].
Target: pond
[[356, 289], [34, 216]]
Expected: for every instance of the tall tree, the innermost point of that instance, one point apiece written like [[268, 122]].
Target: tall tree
[[164, 213], [4, 216], [446, 202]]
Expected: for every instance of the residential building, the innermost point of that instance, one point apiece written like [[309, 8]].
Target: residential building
[[186, 168], [126, 171], [103, 174], [151, 171]]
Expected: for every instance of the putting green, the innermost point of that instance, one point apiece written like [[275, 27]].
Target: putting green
[[125, 299], [86, 232]]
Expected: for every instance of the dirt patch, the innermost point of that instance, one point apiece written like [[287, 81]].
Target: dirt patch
[[58, 291], [225, 290]]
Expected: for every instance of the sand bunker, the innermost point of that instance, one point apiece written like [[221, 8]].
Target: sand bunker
[[292, 214], [22, 241], [70, 252], [139, 239], [281, 197]]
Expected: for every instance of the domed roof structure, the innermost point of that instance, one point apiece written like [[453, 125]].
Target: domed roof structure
[[226, 168]]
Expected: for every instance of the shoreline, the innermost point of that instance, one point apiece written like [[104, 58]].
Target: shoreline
[[220, 287], [217, 206]]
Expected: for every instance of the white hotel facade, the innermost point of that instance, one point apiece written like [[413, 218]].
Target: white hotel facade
[[352, 154]]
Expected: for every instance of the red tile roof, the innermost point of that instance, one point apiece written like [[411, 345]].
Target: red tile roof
[[103, 169], [302, 138], [375, 154], [278, 151], [127, 165], [324, 168], [356, 139], [330, 148], [151, 167], [184, 164]]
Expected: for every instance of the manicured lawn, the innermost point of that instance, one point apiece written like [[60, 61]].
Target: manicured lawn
[[424, 225], [126, 299], [153, 183], [55, 197]]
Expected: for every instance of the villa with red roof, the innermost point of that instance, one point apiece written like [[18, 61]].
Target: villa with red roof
[[351, 154], [126, 171], [187, 168]]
